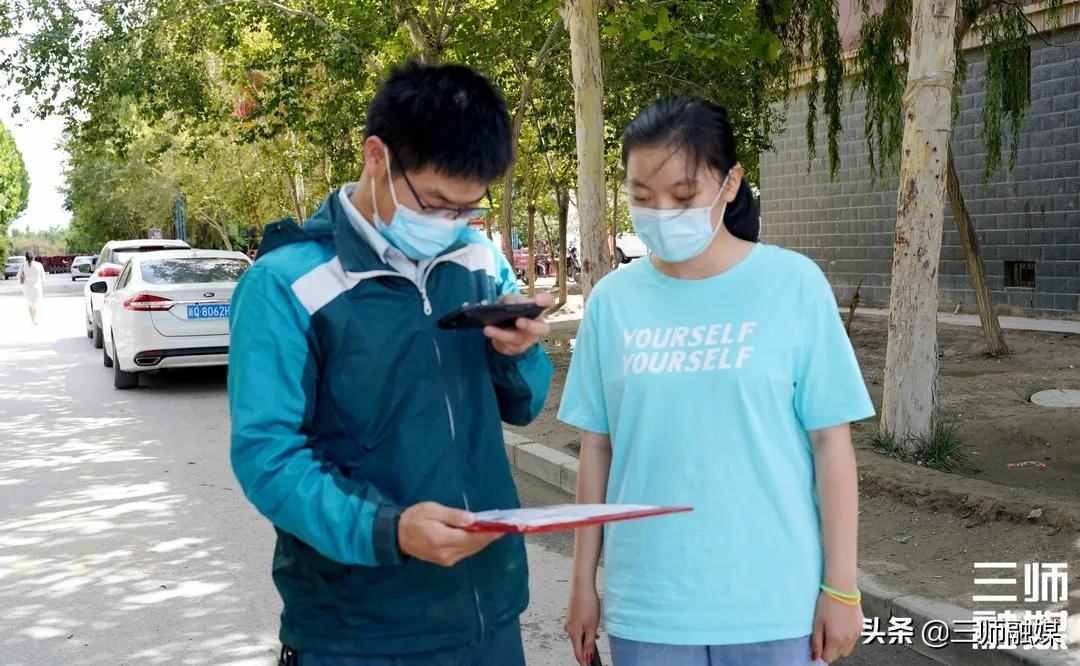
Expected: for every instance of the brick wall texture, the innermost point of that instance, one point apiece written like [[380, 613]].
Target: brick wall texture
[[1031, 214]]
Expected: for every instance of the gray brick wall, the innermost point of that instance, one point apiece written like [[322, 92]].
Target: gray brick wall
[[1030, 214]]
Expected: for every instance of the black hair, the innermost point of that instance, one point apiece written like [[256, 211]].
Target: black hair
[[702, 132], [445, 116], [29, 256]]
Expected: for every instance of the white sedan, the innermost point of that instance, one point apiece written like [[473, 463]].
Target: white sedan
[[110, 261], [168, 309], [627, 248], [82, 267]]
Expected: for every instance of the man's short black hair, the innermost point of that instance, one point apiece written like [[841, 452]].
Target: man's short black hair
[[444, 116]]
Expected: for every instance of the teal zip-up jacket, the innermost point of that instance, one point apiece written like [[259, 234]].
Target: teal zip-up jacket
[[349, 405]]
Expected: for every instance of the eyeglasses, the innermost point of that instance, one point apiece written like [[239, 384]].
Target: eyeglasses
[[448, 212]]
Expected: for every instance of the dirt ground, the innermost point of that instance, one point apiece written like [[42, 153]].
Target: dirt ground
[[930, 551]]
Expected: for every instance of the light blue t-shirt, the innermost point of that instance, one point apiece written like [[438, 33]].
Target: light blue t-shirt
[[708, 389]]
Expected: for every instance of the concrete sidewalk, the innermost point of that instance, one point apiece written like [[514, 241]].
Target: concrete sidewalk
[[560, 470], [566, 320], [1007, 323], [542, 624]]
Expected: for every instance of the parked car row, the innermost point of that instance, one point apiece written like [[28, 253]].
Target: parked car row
[[80, 267], [158, 304], [12, 266]]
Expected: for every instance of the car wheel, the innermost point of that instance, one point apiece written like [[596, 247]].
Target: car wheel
[[99, 338], [123, 380], [105, 358]]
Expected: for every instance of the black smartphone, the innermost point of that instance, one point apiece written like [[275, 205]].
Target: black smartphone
[[502, 315], [596, 659]]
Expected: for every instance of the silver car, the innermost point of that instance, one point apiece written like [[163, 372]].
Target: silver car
[[12, 266], [82, 267]]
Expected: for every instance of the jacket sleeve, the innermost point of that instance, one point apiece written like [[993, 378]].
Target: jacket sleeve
[[522, 381], [272, 381]]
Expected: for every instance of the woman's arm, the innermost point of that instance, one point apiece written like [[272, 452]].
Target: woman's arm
[[838, 494], [837, 626], [594, 465], [583, 618]]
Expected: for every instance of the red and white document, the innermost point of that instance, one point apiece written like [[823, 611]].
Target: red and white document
[[564, 517]]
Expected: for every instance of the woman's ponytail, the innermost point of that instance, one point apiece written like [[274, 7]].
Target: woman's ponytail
[[741, 215]]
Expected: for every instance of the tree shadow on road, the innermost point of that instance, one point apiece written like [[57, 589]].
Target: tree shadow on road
[[123, 539]]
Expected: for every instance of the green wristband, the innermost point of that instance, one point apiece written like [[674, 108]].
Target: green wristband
[[856, 596]]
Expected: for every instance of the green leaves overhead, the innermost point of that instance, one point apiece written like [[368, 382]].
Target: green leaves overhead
[[170, 90], [14, 181], [808, 31]]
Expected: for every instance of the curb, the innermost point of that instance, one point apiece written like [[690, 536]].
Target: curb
[[559, 469], [1030, 324]]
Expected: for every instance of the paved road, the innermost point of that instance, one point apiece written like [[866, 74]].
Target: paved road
[[124, 539]]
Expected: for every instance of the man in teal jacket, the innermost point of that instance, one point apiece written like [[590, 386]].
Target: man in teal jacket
[[364, 432]]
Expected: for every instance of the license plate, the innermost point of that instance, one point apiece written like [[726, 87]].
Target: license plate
[[209, 311]]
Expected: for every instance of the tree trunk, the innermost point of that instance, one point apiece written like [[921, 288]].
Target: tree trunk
[[995, 339], [583, 23], [419, 40], [564, 214], [294, 192], [221, 232], [532, 249], [506, 213], [614, 218], [547, 233], [908, 406], [506, 222]]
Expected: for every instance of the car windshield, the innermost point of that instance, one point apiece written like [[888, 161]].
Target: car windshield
[[16, 260], [194, 270], [121, 256]]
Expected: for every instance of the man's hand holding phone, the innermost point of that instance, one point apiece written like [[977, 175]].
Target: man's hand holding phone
[[526, 332]]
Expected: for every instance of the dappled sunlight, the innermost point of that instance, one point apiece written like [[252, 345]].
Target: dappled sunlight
[[72, 426], [175, 544], [104, 493], [41, 633], [21, 358], [186, 590], [123, 537]]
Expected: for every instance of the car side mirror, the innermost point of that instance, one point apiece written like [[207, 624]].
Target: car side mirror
[[99, 287]]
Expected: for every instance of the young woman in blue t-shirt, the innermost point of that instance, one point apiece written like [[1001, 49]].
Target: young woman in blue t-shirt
[[716, 374]]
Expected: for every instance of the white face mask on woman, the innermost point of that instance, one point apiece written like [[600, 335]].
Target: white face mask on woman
[[678, 234]]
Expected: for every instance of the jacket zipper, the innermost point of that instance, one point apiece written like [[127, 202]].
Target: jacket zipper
[[422, 286], [475, 590], [464, 494]]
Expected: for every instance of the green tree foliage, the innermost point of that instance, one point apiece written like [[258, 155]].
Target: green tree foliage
[[14, 184], [254, 109], [809, 33], [52, 241]]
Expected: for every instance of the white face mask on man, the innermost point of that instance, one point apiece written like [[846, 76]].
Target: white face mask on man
[[678, 234]]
